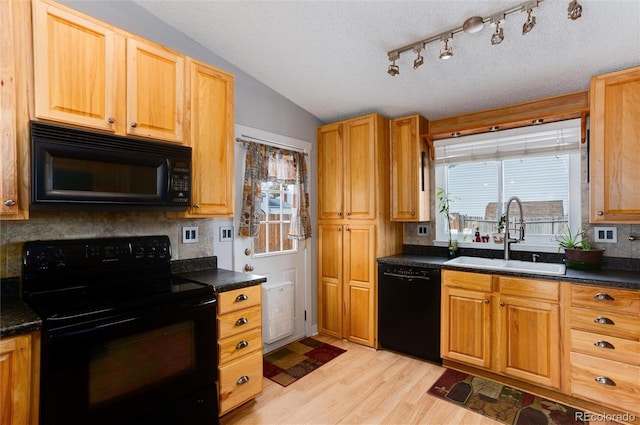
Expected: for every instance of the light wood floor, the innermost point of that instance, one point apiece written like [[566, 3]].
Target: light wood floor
[[361, 386]]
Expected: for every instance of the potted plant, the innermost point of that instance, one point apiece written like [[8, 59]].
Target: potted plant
[[498, 237], [444, 201], [578, 251]]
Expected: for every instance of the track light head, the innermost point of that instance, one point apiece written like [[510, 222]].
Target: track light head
[[574, 11], [530, 22], [497, 36], [393, 68], [419, 61], [447, 52]]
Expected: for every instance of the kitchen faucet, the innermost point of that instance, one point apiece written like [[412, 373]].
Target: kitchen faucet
[[507, 240]]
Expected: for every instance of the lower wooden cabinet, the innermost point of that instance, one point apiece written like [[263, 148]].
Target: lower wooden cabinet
[[19, 373], [239, 346]]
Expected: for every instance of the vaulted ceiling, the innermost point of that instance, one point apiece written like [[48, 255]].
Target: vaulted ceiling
[[330, 57]]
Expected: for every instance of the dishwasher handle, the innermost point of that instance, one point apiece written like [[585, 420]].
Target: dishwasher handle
[[401, 276]]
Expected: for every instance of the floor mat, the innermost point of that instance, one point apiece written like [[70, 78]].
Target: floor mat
[[502, 403], [293, 361]]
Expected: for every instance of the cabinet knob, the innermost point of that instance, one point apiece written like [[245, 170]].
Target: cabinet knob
[[241, 297], [600, 213], [196, 205], [9, 202], [413, 213], [602, 296], [348, 214], [604, 344], [242, 321], [111, 120], [243, 380], [501, 303], [242, 344], [339, 214], [347, 229], [605, 381], [134, 124], [486, 301], [603, 321], [339, 229]]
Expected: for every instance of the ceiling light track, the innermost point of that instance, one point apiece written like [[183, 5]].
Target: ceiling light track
[[473, 25]]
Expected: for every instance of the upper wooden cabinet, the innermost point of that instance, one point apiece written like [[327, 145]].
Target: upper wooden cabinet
[[211, 137], [346, 168], [409, 170], [90, 74], [614, 149]]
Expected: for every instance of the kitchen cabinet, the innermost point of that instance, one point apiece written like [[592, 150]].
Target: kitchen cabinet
[[605, 346], [614, 150], [353, 227], [239, 346], [18, 388], [211, 94], [410, 201], [90, 74], [510, 326]]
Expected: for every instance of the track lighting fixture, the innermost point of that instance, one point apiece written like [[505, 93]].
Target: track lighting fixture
[[446, 53], [473, 25], [574, 11], [419, 59], [530, 22]]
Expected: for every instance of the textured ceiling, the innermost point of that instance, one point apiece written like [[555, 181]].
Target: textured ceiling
[[330, 57]]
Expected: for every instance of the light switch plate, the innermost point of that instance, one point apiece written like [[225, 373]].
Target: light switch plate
[[605, 234], [423, 230], [226, 233], [189, 234]]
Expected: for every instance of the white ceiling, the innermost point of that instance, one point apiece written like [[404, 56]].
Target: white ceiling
[[330, 57]]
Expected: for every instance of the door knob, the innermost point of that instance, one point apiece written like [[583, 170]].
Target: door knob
[[248, 268]]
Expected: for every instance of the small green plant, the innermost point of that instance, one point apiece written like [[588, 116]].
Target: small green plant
[[444, 204], [570, 240], [501, 221]]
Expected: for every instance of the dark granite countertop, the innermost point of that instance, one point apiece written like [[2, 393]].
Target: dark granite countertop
[[17, 318], [627, 279], [223, 280]]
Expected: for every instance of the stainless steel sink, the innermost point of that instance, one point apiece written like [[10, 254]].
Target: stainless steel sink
[[552, 269]]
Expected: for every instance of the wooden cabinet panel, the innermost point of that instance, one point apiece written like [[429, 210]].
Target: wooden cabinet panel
[[468, 280], [211, 138], [466, 326], [606, 299], [155, 91], [240, 381], [75, 62], [410, 201], [330, 263], [529, 340], [15, 382], [615, 152], [604, 322], [239, 298], [360, 172], [238, 345], [606, 346], [530, 288], [239, 321], [330, 172]]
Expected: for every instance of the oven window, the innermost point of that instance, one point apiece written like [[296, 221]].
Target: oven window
[[101, 176], [124, 365]]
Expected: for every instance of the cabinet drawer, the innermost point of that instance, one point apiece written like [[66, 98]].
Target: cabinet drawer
[[532, 288], [475, 281], [239, 321], [239, 298], [240, 381], [606, 346], [606, 323], [623, 391], [606, 299], [239, 345]]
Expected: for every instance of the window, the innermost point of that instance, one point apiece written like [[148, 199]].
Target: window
[[540, 165], [277, 199]]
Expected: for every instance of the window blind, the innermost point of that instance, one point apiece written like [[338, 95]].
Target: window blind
[[543, 139]]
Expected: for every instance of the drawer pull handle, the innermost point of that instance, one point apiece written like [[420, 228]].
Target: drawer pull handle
[[604, 344], [602, 296], [242, 344], [603, 321], [605, 381], [243, 380], [242, 321], [241, 297]]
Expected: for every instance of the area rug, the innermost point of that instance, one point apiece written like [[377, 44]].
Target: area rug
[[500, 402], [293, 361]]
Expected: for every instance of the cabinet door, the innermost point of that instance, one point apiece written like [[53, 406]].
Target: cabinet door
[[155, 91], [211, 98], [330, 172], [75, 73], [466, 326], [330, 259], [360, 283], [529, 340], [409, 171], [15, 370], [615, 151], [359, 168]]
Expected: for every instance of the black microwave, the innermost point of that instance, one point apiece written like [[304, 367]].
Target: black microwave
[[74, 169]]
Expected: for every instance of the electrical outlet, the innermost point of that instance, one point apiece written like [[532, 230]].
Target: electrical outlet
[[423, 230], [226, 233], [605, 234], [189, 234]]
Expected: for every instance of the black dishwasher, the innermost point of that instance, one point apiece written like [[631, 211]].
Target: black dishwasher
[[409, 310]]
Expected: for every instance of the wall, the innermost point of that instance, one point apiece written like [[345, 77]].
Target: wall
[[256, 106]]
